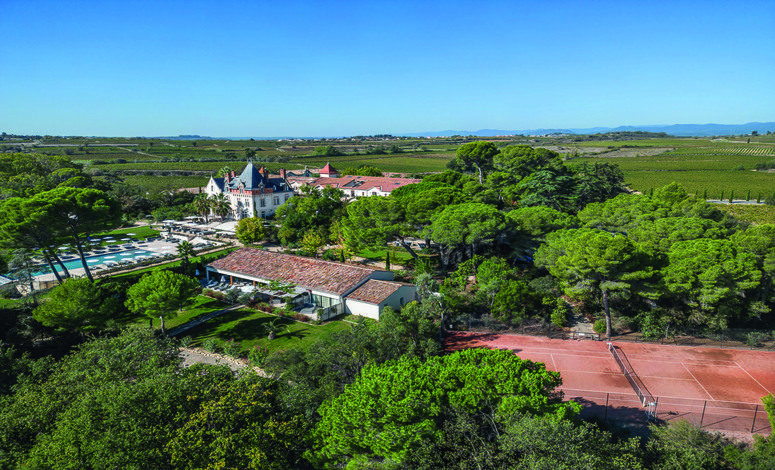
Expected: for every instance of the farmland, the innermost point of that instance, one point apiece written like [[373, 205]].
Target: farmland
[[701, 165]]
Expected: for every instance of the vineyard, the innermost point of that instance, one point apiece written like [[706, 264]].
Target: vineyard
[[701, 165]]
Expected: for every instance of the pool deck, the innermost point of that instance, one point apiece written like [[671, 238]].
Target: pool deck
[[161, 247]]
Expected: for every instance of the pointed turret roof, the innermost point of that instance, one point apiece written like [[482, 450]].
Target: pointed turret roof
[[251, 177], [328, 169]]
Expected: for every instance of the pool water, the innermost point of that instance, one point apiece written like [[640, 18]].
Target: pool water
[[92, 261]]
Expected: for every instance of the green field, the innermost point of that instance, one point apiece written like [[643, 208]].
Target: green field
[[246, 326], [154, 183], [757, 214], [698, 182], [699, 164]]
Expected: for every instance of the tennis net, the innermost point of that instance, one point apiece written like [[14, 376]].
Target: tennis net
[[637, 385]]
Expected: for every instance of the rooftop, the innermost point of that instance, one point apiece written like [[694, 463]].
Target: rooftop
[[362, 183], [310, 273], [375, 291]]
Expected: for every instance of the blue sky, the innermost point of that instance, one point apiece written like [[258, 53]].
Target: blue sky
[[282, 68]]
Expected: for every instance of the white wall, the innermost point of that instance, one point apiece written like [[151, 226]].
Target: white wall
[[364, 309], [405, 293]]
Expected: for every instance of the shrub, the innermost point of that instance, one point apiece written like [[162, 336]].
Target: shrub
[[211, 344], [232, 348], [599, 327], [754, 339], [257, 355], [233, 295], [246, 298], [214, 294], [559, 315], [300, 317]]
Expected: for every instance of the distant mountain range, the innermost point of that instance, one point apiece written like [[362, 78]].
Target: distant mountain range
[[682, 130]]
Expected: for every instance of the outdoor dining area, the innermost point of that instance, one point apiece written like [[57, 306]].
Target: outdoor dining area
[[297, 296], [189, 227]]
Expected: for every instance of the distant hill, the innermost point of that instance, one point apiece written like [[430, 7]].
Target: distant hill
[[681, 130]]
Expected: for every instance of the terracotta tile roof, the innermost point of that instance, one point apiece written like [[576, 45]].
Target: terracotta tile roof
[[328, 169], [310, 273], [364, 183], [375, 291]]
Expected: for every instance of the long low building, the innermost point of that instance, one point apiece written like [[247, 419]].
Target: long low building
[[324, 288]]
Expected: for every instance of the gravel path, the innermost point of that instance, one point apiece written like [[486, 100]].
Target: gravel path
[[193, 356]]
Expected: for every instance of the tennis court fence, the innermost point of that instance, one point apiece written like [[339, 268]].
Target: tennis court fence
[[713, 415]]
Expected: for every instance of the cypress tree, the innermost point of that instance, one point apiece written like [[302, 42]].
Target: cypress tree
[[731, 196], [387, 260]]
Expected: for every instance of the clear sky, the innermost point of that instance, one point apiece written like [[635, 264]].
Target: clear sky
[[281, 68]]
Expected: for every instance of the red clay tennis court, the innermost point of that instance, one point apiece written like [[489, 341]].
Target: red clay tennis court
[[714, 388]]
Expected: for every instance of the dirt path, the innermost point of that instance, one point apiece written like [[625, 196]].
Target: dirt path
[[140, 152]]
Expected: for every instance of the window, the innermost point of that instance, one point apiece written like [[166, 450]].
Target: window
[[401, 301], [276, 200], [263, 202], [287, 196]]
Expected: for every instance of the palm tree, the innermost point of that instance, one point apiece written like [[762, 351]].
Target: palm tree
[[202, 205], [275, 326], [186, 250], [220, 204]]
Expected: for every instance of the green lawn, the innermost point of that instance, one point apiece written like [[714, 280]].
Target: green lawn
[[142, 232], [202, 305], [246, 326]]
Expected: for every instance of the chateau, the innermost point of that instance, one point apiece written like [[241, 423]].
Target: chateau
[[253, 193]]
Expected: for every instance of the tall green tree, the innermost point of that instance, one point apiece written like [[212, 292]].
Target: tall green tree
[[202, 205], [392, 408], [589, 260], [711, 279], [375, 222], [112, 403], [220, 205], [77, 305], [475, 157], [77, 213], [161, 294], [468, 228], [25, 223], [254, 434], [314, 209], [522, 160], [251, 230]]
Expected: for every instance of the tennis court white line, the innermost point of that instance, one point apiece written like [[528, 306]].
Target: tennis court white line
[[564, 352], [698, 382], [554, 363], [754, 379]]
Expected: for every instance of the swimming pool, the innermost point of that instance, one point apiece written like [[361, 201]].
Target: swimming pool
[[92, 261]]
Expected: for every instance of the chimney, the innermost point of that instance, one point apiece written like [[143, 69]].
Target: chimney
[[282, 173], [264, 172], [233, 174]]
